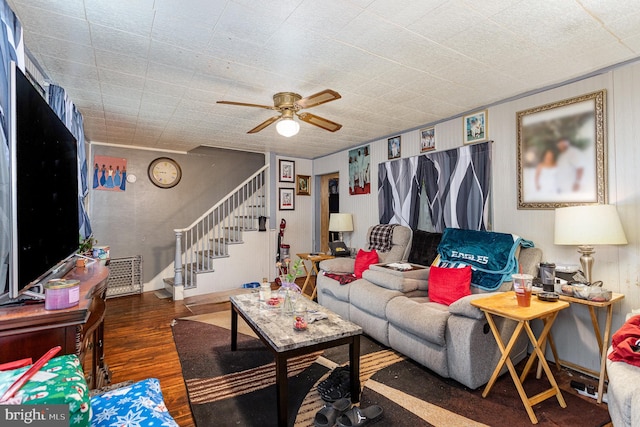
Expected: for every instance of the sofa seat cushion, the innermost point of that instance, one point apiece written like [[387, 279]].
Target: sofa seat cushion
[[334, 289], [418, 272], [394, 282], [425, 320], [371, 298]]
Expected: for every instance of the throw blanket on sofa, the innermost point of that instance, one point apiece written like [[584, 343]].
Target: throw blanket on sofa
[[491, 255], [380, 237]]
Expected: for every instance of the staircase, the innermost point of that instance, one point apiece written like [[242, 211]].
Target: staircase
[[208, 238]]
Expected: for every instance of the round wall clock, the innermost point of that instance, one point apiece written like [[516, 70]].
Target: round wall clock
[[165, 172]]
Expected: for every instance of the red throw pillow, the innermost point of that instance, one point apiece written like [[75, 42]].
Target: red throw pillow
[[448, 285], [363, 260]]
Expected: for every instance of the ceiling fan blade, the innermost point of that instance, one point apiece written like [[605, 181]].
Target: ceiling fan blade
[[264, 124], [326, 95], [244, 104], [320, 122]]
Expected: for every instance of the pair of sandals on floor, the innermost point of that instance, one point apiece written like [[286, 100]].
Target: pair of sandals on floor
[[340, 413]]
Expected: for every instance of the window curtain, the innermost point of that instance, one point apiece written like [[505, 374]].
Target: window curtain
[[11, 49], [71, 117], [457, 184], [398, 192]]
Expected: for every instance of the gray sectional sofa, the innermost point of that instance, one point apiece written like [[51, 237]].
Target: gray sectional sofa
[[393, 308]]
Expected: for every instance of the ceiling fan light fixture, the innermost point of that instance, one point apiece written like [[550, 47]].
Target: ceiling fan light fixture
[[287, 127]]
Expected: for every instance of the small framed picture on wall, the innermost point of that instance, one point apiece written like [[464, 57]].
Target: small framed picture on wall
[[428, 139], [303, 185], [287, 170], [286, 201], [475, 127], [394, 147]]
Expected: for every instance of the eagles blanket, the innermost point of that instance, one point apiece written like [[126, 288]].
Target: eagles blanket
[[491, 255]]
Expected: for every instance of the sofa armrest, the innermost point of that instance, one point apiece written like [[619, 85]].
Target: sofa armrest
[[338, 265], [463, 306]]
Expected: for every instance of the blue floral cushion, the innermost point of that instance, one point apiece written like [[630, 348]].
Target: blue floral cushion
[[140, 404]]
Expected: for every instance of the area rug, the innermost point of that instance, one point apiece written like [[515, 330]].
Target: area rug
[[238, 388]]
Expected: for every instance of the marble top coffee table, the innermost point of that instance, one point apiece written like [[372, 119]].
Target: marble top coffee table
[[277, 333]]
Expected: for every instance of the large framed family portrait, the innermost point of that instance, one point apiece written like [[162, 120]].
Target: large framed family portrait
[[561, 156]]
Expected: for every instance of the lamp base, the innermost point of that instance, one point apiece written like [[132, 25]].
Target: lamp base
[[586, 260]]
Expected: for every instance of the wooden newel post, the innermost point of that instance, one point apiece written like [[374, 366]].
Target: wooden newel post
[[177, 264]]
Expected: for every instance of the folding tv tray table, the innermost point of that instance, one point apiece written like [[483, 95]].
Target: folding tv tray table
[[505, 305]]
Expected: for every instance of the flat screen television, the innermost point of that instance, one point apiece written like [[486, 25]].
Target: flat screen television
[[44, 191]]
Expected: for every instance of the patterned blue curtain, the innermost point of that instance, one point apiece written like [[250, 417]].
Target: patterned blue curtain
[[66, 110], [457, 184], [11, 49], [398, 192]]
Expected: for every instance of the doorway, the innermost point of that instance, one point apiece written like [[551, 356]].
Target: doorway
[[329, 203]]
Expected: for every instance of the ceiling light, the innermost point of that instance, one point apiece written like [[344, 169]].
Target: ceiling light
[[287, 127]]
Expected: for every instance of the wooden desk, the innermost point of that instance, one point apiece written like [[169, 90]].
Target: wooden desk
[[505, 305], [603, 340], [30, 330], [315, 259]]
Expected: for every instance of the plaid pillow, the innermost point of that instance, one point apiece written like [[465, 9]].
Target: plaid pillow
[[380, 237]]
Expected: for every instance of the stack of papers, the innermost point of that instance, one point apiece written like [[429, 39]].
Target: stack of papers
[[400, 266]]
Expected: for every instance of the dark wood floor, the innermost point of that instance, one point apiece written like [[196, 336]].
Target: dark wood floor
[[139, 344]]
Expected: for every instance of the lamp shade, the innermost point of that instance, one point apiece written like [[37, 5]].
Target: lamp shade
[[287, 127], [588, 225], [340, 222]]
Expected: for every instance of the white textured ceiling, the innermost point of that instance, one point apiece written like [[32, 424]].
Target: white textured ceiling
[[148, 73]]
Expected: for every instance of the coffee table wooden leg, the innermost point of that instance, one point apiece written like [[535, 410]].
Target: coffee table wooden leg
[[282, 391], [234, 330], [354, 364]]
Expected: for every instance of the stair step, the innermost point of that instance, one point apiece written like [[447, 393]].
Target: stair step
[[226, 241], [211, 254]]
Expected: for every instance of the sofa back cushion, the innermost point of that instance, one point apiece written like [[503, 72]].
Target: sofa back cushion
[[447, 285], [424, 247], [400, 245]]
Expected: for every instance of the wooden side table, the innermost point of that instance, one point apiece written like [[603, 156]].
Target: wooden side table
[[505, 305], [603, 340], [315, 258]]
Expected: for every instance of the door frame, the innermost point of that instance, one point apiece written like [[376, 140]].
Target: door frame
[[324, 209]]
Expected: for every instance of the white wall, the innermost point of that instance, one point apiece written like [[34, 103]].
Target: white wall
[[298, 233], [617, 267]]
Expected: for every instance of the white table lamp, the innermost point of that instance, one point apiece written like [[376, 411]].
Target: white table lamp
[[340, 222], [587, 226]]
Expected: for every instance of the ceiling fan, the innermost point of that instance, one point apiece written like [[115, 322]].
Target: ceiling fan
[[289, 104]]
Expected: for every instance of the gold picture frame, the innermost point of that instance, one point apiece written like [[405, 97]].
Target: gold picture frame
[[303, 185], [562, 157]]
